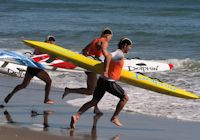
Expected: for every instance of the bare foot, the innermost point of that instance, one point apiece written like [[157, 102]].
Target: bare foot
[[65, 93], [116, 121], [50, 102], [74, 120]]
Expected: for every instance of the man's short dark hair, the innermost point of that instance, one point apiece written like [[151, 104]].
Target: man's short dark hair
[[51, 38], [123, 42], [107, 31]]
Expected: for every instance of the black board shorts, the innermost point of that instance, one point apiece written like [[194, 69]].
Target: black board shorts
[[109, 86], [33, 71]]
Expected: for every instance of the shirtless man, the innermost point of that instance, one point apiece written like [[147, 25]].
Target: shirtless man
[[40, 73]]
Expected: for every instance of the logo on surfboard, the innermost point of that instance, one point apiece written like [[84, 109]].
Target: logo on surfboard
[[142, 68]]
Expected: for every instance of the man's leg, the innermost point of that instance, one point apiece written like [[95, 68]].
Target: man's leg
[[44, 76], [85, 107], [120, 106], [117, 91], [91, 84], [23, 85], [98, 94]]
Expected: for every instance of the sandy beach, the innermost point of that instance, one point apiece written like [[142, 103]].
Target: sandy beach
[[11, 133], [162, 31], [26, 117]]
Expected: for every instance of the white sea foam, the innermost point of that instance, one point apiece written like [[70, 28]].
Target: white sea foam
[[143, 101], [151, 103]]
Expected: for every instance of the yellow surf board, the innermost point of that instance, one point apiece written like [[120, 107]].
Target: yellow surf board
[[128, 77]]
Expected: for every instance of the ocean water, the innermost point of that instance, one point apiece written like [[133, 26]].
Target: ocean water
[[164, 31]]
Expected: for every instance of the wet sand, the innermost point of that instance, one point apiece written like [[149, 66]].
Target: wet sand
[[32, 119], [11, 133]]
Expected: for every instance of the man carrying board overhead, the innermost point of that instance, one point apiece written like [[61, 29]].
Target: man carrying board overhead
[[107, 82], [40, 73]]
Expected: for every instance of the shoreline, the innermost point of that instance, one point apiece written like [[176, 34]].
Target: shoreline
[[136, 126], [27, 113]]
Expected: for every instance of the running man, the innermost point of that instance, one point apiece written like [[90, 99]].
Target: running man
[[96, 49], [113, 67], [40, 73]]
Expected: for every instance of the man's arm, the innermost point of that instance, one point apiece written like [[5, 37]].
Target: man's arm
[[107, 56], [104, 49], [107, 60]]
